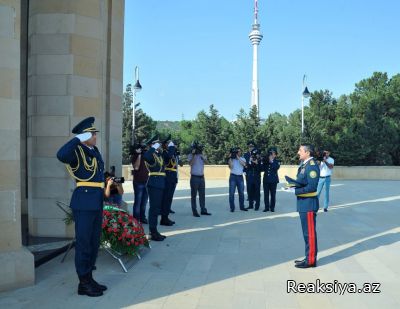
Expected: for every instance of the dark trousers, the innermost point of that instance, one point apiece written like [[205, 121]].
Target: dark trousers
[[269, 189], [168, 195], [308, 220], [253, 190], [141, 197], [236, 181], [87, 235], [155, 199], [197, 184]]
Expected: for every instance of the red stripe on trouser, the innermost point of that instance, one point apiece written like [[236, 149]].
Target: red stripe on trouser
[[311, 238]]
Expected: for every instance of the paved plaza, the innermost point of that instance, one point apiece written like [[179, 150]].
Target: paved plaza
[[244, 259]]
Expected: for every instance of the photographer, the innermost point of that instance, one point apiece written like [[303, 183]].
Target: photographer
[[197, 183], [236, 164], [253, 177], [140, 177], [326, 164], [270, 180], [113, 190]]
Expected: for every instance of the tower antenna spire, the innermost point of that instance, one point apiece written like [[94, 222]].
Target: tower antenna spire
[[256, 11], [255, 37]]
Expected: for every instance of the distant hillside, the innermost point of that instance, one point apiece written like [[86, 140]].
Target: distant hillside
[[170, 125]]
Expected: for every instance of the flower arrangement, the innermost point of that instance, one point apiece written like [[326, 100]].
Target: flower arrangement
[[123, 233]]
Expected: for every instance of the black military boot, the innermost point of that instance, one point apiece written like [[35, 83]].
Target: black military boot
[[86, 287], [100, 287], [156, 236], [166, 221]]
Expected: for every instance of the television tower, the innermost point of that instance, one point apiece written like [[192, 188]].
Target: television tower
[[255, 38]]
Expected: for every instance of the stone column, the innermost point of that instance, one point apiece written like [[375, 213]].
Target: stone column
[[75, 71], [17, 265], [115, 45]]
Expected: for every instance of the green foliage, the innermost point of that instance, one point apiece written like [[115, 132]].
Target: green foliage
[[144, 125], [362, 128], [126, 123]]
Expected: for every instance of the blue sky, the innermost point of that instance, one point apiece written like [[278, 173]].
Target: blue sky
[[193, 53]]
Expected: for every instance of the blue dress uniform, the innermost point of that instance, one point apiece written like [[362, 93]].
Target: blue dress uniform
[[307, 205], [171, 179], [253, 181], [86, 166], [270, 183], [155, 187]]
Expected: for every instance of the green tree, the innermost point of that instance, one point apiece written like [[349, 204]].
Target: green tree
[[144, 124], [127, 100], [210, 130], [375, 107], [246, 128]]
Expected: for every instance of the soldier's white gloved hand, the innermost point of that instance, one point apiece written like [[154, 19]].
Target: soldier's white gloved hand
[[156, 146], [83, 137], [171, 144]]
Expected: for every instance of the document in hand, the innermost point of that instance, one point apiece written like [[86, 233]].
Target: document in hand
[[292, 183], [289, 189]]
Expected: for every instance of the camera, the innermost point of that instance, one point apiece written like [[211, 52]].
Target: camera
[[118, 179], [134, 147], [111, 174], [198, 148], [233, 152], [254, 154], [321, 156]]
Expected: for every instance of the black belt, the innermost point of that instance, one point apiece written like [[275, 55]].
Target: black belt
[[324, 176], [197, 176], [236, 175]]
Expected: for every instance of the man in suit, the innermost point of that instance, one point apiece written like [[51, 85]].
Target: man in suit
[[85, 164], [306, 185]]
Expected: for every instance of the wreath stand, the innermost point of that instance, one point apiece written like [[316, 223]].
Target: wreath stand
[[126, 263]]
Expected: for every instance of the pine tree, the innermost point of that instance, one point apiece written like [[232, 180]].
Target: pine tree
[[126, 123]]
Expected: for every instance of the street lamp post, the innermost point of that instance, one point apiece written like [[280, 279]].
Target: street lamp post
[[305, 95], [136, 88]]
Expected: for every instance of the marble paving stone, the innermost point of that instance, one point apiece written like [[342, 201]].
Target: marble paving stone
[[243, 260]]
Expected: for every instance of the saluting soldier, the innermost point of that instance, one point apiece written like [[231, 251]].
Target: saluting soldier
[[171, 179], [306, 185], [271, 166], [85, 164], [155, 184]]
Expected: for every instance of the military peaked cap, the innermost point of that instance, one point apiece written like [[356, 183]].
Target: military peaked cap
[[86, 125], [273, 149]]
